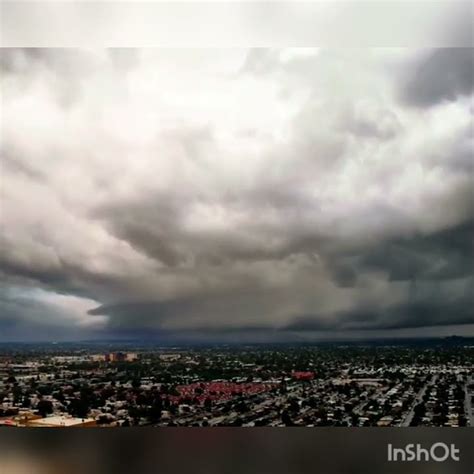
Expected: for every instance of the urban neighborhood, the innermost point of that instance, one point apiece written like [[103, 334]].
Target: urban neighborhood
[[353, 385]]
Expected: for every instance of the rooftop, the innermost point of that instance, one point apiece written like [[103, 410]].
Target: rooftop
[[61, 421]]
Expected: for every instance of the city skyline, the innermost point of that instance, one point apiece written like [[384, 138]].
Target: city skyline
[[236, 195]]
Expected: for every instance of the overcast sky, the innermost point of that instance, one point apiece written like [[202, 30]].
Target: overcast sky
[[224, 194]]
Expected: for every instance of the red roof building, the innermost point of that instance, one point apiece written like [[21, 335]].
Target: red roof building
[[217, 391], [300, 375]]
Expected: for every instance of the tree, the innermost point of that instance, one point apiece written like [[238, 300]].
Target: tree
[[26, 403], [79, 408], [11, 379], [294, 405], [154, 414], [59, 396], [355, 419], [104, 420], [17, 394], [420, 410], [208, 403], [285, 418], [44, 407]]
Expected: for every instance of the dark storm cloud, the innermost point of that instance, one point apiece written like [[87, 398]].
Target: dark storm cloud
[[155, 225], [143, 314], [444, 255], [442, 75], [18, 312], [437, 308], [60, 275], [31, 314], [223, 310], [151, 225], [344, 272], [63, 277], [234, 193]]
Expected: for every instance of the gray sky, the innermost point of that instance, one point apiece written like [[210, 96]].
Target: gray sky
[[232, 194]]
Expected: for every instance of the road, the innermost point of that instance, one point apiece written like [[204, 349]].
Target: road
[[468, 408], [409, 417]]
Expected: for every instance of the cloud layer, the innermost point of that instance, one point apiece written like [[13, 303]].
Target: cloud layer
[[231, 193]]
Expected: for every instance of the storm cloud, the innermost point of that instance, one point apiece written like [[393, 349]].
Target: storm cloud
[[440, 75], [228, 194]]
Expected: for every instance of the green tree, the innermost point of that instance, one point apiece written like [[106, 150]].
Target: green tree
[[44, 407]]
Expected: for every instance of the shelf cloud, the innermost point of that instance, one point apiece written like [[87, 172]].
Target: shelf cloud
[[227, 194]]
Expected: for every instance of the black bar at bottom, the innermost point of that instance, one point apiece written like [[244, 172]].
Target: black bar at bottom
[[237, 450]]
